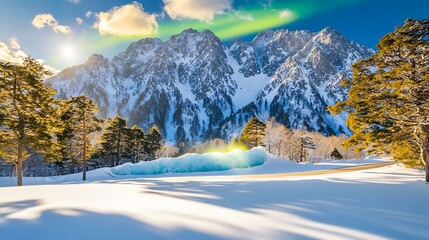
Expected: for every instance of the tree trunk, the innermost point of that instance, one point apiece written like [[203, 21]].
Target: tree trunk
[[19, 164], [425, 149], [84, 148], [118, 148], [425, 157], [84, 158], [112, 160], [427, 172], [138, 153]]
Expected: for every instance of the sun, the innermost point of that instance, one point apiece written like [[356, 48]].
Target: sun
[[67, 51]]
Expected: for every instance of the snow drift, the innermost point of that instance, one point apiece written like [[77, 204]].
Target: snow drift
[[206, 162]]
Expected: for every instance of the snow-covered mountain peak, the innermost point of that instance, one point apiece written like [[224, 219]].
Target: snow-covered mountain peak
[[96, 59], [328, 30], [142, 45], [329, 36], [194, 87]]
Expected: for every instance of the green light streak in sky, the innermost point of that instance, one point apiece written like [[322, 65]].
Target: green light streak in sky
[[234, 25]]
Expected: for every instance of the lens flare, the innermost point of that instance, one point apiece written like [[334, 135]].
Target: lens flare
[[67, 51]]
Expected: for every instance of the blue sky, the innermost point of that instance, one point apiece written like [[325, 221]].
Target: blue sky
[[66, 32]]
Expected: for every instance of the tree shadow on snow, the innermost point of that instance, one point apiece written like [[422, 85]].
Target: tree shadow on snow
[[331, 206], [74, 224], [276, 209]]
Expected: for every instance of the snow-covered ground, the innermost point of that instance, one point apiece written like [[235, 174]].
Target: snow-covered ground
[[237, 162], [381, 203]]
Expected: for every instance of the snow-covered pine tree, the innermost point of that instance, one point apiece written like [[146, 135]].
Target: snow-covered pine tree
[[253, 133], [28, 114], [80, 121]]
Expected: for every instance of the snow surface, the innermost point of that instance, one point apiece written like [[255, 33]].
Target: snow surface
[[207, 162], [382, 203]]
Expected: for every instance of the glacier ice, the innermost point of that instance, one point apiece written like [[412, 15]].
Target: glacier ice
[[206, 162]]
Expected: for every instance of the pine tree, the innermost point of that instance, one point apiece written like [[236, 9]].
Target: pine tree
[[388, 99], [135, 143], [113, 140], [306, 143], [154, 142], [66, 141], [253, 133], [28, 113], [335, 154], [80, 121]]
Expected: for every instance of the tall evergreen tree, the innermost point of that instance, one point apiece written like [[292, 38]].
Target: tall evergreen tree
[[80, 122], [389, 97], [69, 151], [305, 143], [113, 140], [253, 133], [154, 142], [136, 140], [28, 113]]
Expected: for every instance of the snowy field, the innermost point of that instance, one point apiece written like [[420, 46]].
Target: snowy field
[[381, 203], [238, 162]]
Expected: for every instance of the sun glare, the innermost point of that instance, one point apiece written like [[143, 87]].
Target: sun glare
[[227, 149], [68, 51]]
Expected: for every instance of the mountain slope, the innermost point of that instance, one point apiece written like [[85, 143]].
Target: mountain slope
[[193, 87]]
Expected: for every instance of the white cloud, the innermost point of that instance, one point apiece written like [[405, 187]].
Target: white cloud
[[14, 43], [286, 13], [196, 9], [41, 20], [74, 1], [46, 19], [12, 53], [79, 20], [126, 20], [88, 14]]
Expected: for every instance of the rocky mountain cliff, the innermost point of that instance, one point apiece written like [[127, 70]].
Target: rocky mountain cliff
[[194, 87]]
